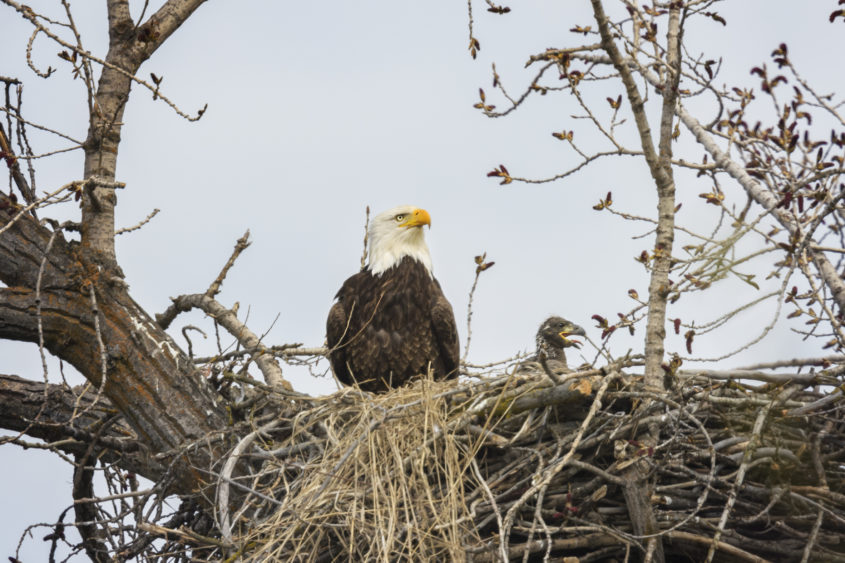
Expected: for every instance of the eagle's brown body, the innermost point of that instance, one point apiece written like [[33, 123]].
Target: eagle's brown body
[[386, 329]]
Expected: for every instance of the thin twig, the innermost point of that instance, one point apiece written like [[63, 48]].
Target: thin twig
[[139, 225], [366, 238], [241, 245], [481, 266]]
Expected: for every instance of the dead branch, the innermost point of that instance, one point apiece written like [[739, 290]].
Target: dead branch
[[241, 245], [228, 320], [137, 226]]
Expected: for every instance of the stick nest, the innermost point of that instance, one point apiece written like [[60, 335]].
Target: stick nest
[[528, 468]]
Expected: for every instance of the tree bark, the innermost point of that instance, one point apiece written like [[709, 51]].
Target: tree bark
[[129, 47], [69, 419], [149, 379]]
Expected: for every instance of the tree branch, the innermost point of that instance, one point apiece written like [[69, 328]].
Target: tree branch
[[67, 418], [764, 198], [241, 245], [228, 320]]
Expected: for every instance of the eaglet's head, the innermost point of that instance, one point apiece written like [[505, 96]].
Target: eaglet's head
[[555, 332], [395, 234]]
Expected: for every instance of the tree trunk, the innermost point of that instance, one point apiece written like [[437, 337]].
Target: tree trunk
[[148, 378], [129, 47]]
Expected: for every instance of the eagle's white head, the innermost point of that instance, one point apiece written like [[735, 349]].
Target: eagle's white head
[[397, 233]]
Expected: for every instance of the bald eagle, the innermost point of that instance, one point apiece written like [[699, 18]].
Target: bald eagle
[[391, 321], [552, 338]]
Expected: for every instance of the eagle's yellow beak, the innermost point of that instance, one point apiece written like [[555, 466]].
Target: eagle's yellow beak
[[418, 218]]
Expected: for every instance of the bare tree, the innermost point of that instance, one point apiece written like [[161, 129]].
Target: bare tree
[[774, 187], [69, 297], [604, 462]]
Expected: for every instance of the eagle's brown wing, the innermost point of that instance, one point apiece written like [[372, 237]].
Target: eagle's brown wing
[[338, 331], [446, 333]]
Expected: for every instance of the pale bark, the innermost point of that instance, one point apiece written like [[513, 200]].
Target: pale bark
[[227, 319], [638, 488], [769, 201], [128, 49], [659, 165], [762, 196]]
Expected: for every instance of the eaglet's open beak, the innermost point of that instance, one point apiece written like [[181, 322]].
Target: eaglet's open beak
[[417, 218], [569, 331]]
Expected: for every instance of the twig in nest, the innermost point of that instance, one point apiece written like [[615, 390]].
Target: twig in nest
[[183, 533], [813, 537], [543, 357], [554, 469], [226, 476], [746, 460]]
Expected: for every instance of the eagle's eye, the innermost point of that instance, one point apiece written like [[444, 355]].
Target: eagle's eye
[[399, 218]]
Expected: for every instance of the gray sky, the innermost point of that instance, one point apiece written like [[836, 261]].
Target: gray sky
[[316, 110]]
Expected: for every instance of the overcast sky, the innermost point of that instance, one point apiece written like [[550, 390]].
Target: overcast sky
[[316, 110]]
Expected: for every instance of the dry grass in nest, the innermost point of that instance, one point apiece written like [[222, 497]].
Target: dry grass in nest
[[390, 481]]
